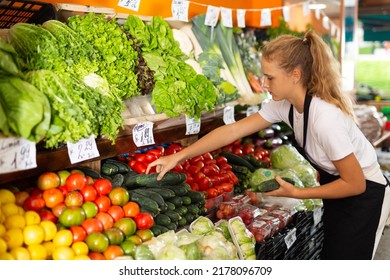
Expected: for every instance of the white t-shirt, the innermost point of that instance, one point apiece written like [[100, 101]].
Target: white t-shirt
[[331, 135]]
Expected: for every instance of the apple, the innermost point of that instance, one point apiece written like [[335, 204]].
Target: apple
[[74, 198]]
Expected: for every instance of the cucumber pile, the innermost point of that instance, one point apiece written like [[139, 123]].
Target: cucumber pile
[[171, 201]]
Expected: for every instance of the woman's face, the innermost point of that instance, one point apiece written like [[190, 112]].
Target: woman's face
[[278, 83]]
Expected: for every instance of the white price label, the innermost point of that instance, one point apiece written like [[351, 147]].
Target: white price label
[[143, 134], [212, 15], [17, 154], [192, 126], [130, 4], [251, 110], [317, 215], [290, 238], [286, 13], [179, 10], [227, 19], [228, 115], [265, 17], [82, 150], [241, 18], [306, 8]]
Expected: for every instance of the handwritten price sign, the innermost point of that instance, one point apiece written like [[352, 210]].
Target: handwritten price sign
[[143, 134], [192, 126], [17, 154], [83, 150]]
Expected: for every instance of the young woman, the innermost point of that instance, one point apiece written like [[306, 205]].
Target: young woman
[[303, 78]]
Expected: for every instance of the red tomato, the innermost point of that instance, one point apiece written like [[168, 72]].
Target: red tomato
[[103, 203], [116, 212], [144, 220], [189, 178], [74, 198], [139, 167], [212, 192], [34, 203], [210, 162], [221, 160], [52, 197], [78, 233], [64, 190], [178, 168], [215, 180], [57, 210], [35, 192], [47, 215], [207, 156], [204, 183], [237, 151], [103, 186], [92, 225], [227, 187], [96, 256], [193, 169], [89, 193], [211, 170], [248, 148], [48, 180], [198, 176], [75, 181], [194, 186], [132, 163], [157, 152], [225, 166], [106, 219], [140, 157], [150, 157], [194, 160], [233, 177], [131, 209]]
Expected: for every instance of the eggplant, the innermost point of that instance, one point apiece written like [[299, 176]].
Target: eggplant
[[266, 133]]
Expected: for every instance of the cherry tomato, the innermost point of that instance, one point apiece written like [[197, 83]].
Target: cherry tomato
[[238, 151], [219, 189], [233, 177], [225, 166], [248, 148], [144, 220], [198, 176], [178, 168], [103, 186], [75, 181]]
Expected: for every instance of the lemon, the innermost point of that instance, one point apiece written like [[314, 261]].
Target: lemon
[[63, 253], [15, 221], [37, 252], [6, 196], [20, 253], [9, 209], [13, 237], [20, 210], [80, 248], [2, 230], [32, 217], [3, 246], [33, 234], [49, 246], [50, 229], [81, 258], [6, 256], [63, 237]]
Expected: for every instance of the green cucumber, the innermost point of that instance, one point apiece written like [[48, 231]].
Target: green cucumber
[[177, 201], [270, 185], [186, 200], [172, 226], [238, 160], [117, 180], [194, 209], [129, 180], [143, 200], [166, 193], [181, 210], [159, 229], [170, 178], [122, 167], [179, 189], [153, 195], [170, 205], [195, 196], [174, 216], [162, 219], [109, 169]]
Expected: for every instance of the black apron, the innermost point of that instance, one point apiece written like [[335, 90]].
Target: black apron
[[350, 224]]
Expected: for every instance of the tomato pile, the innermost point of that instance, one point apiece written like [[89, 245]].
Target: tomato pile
[[69, 215]]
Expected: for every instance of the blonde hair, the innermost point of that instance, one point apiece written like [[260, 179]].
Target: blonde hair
[[320, 69]]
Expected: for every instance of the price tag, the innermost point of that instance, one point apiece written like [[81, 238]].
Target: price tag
[[251, 110], [143, 134], [317, 215], [265, 17], [83, 149], [290, 238], [241, 18], [228, 115], [306, 8], [192, 126], [17, 154], [179, 10], [317, 13], [325, 23], [130, 4], [212, 15], [227, 19], [286, 13]]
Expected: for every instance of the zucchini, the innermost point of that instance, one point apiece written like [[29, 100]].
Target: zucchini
[[170, 178], [166, 193], [89, 172], [162, 219], [122, 167], [144, 201], [174, 216], [270, 185], [153, 195], [109, 169], [238, 160], [117, 180]]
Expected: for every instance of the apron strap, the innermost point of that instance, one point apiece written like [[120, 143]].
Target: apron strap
[[306, 108]]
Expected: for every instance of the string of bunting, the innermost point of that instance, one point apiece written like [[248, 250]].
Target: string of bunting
[[180, 10]]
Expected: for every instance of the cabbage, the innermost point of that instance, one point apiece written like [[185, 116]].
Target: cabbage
[[286, 156], [307, 174], [142, 252], [260, 175], [171, 252], [201, 226], [291, 174], [213, 248], [192, 251]]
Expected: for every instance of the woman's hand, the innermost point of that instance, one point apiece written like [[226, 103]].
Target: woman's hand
[[163, 165], [286, 189]]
